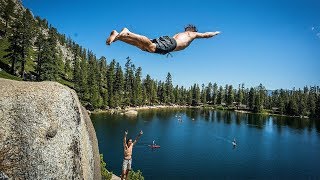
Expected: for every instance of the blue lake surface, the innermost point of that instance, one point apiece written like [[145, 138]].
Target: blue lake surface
[[197, 144]]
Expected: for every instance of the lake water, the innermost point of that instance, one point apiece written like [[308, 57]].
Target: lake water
[[197, 144]]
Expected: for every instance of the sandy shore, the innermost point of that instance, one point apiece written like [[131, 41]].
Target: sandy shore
[[154, 107], [242, 111]]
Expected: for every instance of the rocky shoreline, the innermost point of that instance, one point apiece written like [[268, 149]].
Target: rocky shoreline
[[133, 111]]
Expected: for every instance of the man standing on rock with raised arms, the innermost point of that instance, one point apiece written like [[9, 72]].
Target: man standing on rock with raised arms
[[127, 149], [161, 45]]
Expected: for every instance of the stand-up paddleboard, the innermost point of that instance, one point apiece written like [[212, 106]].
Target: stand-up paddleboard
[[154, 146]]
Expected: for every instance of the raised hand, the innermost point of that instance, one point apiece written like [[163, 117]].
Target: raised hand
[[141, 132], [126, 132]]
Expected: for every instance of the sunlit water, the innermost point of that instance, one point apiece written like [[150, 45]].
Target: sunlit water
[[197, 144]]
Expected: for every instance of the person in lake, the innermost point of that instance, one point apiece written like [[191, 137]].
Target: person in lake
[[127, 149], [234, 143], [163, 44]]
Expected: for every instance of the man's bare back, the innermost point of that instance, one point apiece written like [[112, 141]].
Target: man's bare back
[[162, 45], [184, 39]]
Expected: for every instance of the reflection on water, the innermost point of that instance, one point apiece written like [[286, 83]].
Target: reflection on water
[[254, 120], [258, 120]]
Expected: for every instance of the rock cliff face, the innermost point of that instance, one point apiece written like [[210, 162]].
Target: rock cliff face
[[45, 133]]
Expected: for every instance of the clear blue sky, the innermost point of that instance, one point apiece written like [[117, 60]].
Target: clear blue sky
[[273, 42]]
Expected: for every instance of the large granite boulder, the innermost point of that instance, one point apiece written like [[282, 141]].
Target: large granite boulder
[[45, 133]]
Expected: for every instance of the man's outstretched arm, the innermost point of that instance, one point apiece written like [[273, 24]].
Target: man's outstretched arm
[[137, 138], [207, 34], [125, 139]]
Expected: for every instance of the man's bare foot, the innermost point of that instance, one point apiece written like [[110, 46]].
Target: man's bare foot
[[124, 32], [112, 37]]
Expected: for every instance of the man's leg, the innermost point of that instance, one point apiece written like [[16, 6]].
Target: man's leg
[[124, 169], [128, 167], [137, 40], [123, 174], [127, 172]]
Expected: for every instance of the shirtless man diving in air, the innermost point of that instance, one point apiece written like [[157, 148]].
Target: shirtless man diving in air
[[161, 45]]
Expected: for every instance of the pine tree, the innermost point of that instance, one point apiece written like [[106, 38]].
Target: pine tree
[[203, 94], [312, 101], [8, 13], [110, 80], [128, 82], [76, 72], [132, 85], [67, 69], [161, 93], [257, 103], [275, 99], [220, 95], [302, 105], [103, 81], [189, 96], [137, 88], [169, 89], [183, 96], [257, 107], [268, 103], [292, 105], [177, 95], [21, 41], [148, 85], [59, 72], [27, 34], [240, 93], [49, 68], [154, 90], [251, 98], [282, 101], [262, 94], [76, 77], [226, 93], [118, 86], [83, 82], [230, 95], [15, 47], [40, 43], [215, 94], [317, 111], [209, 92], [144, 95], [196, 95], [93, 76]]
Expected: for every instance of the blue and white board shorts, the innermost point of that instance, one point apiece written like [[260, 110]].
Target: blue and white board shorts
[[126, 165]]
